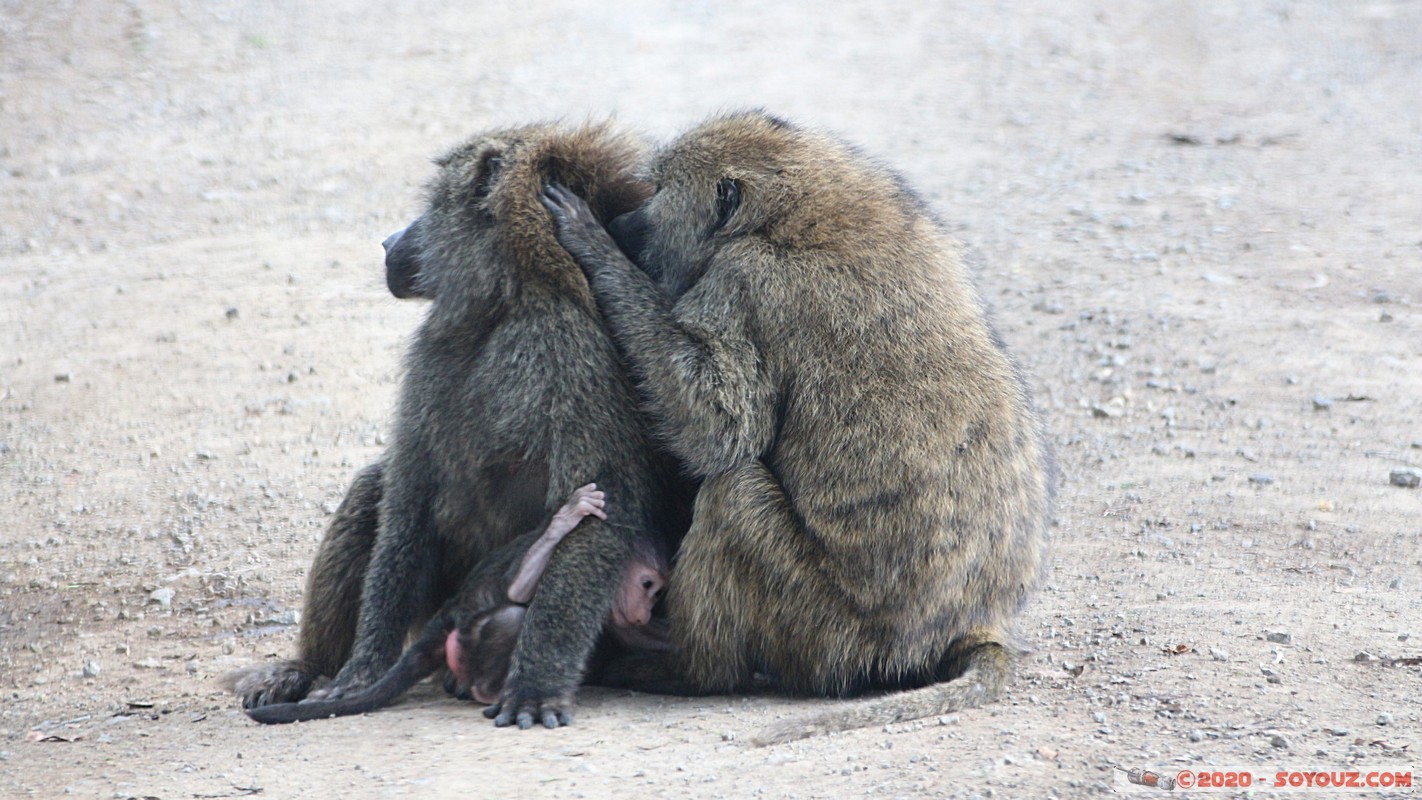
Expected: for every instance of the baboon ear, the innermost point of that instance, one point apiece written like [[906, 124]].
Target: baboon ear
[[728, 199], [487, 172]]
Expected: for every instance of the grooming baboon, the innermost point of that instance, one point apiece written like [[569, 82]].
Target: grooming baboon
[[476, 631], [874, 505], [513, 396]]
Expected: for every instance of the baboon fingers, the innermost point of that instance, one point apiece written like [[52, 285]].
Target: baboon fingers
[[523, 710]]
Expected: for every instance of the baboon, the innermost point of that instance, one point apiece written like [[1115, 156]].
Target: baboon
[[476, 631], [875, 483], [513, 395]]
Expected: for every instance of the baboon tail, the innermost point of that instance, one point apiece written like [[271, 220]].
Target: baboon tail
[[988, 668], [418, 662]]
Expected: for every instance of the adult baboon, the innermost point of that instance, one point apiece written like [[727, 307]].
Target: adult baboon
[[874, 505], [513, 396], [476, 631]]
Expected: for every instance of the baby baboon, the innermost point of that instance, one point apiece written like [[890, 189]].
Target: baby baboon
[[874, 505], [513, 396], [476, 631]]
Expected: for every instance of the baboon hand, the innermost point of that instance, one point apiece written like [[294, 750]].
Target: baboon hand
[[578, 229], [524, 706]]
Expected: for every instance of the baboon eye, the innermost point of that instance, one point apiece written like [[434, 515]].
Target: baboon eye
[[488, 170], [728, 199]]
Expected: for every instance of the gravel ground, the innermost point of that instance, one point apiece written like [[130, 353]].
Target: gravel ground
[[1199, 226]]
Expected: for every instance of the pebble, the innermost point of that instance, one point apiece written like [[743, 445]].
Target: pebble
[[1098, 717], [728, 736], [1279, 742], [1407, 477], [1218, 654], [1106, 411], [192, 667], [1261, 478], [1384, 718], [1339, 731], [1280, 637], [1197, 736], [1363, 657], [1321, 403], [162, 596], [92, 668]]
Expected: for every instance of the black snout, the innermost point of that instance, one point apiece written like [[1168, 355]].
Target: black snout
[[630, 232], [402, 262]]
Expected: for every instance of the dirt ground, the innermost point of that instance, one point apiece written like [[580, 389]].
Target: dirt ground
[[1199, 224]]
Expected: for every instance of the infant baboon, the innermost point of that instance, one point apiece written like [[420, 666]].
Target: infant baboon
[[513, 396], [875, 495], [475, 632]]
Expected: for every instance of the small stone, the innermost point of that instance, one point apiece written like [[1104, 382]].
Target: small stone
[[1278, 741], [231, 313], [1106, 411], [1218, 654], [1280, 637], [1321, 403], [728, 736], [1407, 477], [121, 649], [91, 669], [1384, 718], [1197, 736], [1339, 731], [192, 667], [1363, 657], [162, 596], [1098, 717], [64, 377], [1261, 478]]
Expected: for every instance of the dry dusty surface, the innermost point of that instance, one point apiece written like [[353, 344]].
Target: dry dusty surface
[[1199, 224]]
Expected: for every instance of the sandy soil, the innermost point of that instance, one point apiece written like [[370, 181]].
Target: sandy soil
[[1199, 224]]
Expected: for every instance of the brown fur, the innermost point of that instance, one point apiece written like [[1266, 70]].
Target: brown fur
[[874, 505], [513, 396]]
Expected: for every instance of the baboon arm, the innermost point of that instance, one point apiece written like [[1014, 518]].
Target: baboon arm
[[562, 625], [697, 359]]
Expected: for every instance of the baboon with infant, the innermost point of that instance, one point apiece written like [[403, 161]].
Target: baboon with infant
[[474, 634], [514, 395], [875, 486]]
